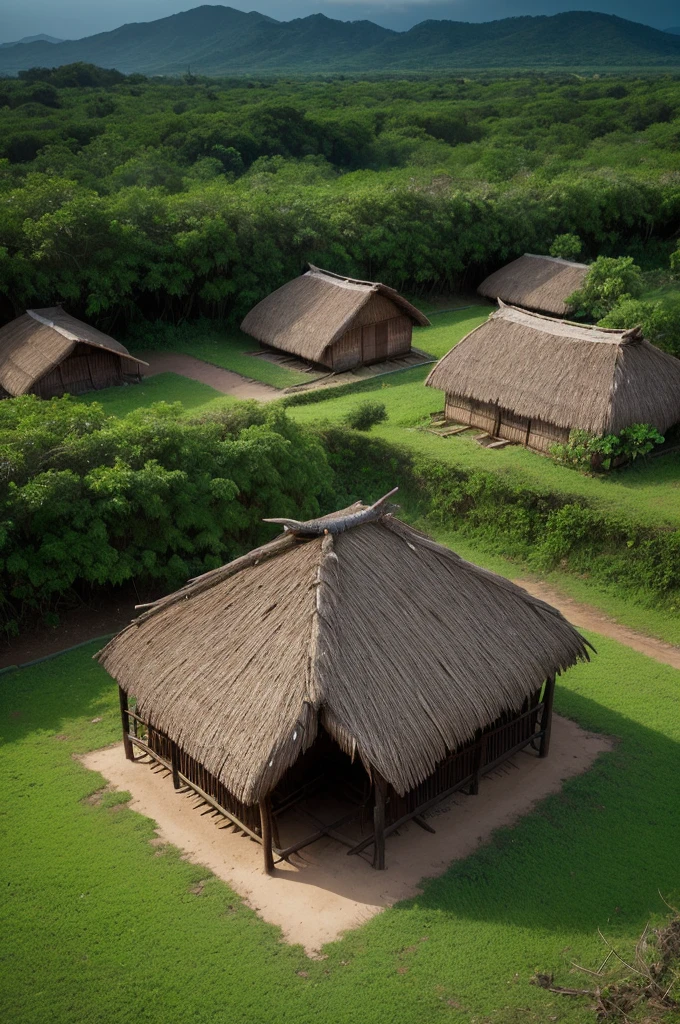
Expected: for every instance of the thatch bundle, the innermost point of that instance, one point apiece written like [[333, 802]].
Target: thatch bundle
[[42, 339], [567, 374], [314, 311], [543, 283], [396, 646]]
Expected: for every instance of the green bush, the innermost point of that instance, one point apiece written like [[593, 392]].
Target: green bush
[[659, 319], [608, 281], [90, 501], [366, 415], [566, 247], [588, 451]]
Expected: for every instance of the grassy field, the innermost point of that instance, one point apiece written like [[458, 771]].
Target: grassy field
[[165, 387], [223, 347], [100, 926]]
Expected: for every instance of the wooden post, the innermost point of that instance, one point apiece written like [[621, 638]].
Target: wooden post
[[477, 764], [174, 760], [122, 697], [380, 790], [266, 829], [546, 717]]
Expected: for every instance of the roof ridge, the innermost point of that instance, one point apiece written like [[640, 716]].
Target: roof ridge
[[555, 259]]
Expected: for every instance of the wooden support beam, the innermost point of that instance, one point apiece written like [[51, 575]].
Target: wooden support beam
[[477, 762], [266, 828], [380, 793], [127, 742], [174, 760], [546, 717]]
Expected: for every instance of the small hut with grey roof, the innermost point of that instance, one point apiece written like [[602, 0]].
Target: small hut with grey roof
[[47, 352], [532, 379], [335, 321], [353, 653], [541, 283]]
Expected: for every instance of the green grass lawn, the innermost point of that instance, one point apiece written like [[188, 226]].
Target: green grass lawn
[[100, 926], [648, 491], [449, 328], [165, 387], [225, 347]]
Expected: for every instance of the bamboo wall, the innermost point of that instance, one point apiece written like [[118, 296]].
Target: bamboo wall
[[533, 433], [371, 343], [86, 369]]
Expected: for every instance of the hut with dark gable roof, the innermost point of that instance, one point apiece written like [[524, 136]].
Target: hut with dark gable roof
[[47, 352], [350, 650], [335, 321], [541, 283], [531, 379]]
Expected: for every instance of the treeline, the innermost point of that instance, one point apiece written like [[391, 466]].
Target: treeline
[[128, 198]]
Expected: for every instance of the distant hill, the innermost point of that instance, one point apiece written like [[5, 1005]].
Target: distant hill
[[42, 38], [221, 40], [674, 31]]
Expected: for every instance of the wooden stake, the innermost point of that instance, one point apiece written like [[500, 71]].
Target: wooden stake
[[123, 698], [546, 717], [380, 790], [266, 827], [174, 759]]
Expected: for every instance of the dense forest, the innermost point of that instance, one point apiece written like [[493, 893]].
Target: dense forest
[[128, 198]]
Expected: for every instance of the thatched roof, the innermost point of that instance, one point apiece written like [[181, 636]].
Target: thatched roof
[[572, 375], [39, 340], [542, 283], [396, 645], [311, 312]]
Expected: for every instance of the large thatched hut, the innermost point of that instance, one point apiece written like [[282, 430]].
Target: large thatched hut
[[47, 352], [532, 379], [541, 283], [351, 650], [335, 321]]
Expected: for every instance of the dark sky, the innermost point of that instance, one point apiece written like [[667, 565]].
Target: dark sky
[[71, 19]]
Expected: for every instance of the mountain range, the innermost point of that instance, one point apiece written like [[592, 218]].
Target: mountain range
[[215, 40]]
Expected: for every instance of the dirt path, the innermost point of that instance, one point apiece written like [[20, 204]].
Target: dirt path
[[326, 892], [587, 617], [226, 381]]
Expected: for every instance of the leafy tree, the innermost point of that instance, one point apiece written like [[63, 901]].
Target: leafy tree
[[566, 247], [608, 281]]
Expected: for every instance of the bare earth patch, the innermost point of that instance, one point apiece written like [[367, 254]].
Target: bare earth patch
[[326, 892], [226, 381]]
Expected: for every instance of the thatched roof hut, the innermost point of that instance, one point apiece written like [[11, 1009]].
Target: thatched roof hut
[[542, 283], [335, 321], [532, 379], [355, 632], [47, 352]]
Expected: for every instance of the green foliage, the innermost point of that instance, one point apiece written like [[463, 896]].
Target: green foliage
[[566, 247], [659, 319], [90, 500], [608, 282], [366, 415], [588, 451], [135, 200]]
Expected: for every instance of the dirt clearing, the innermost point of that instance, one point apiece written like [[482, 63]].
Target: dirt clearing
[[226, 381], [326, 892]]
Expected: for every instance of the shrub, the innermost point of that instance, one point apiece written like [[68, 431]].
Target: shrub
[[366, 415], [588, 451], [608, 281], [566, 247]]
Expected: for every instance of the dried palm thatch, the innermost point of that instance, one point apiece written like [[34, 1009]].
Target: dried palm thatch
[[313, 311], [543, 283], [571, 375], [396, 646], [40, 339]]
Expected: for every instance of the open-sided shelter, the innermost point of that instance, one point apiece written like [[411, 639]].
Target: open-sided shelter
[[47, 352], [335, 321], [531, 379], [350, 649], [541, 283]]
